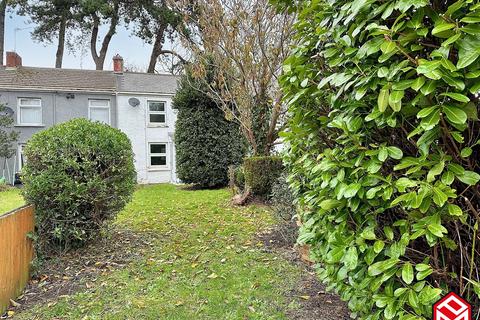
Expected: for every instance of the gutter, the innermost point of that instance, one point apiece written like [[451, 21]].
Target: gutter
[[164, 94], [56, 90]]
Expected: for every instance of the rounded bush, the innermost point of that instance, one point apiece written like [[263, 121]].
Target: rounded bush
[[261, 173], [206, 143], [78, 174]]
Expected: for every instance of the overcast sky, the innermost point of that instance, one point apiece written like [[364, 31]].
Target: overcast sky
[[131, 48]]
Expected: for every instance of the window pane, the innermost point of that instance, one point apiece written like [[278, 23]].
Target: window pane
[[30, 102], [31, 115], [100, 114], [158, 148], [156, 106], [157, 118], [99, 103], [159, 161]]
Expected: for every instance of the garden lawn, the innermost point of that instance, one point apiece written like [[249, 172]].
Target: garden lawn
[[205, 263], [10, 199]]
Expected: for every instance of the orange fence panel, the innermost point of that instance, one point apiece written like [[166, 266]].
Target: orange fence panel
[[16, 253]]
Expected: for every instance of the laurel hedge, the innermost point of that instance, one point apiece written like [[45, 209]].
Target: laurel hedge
[[383, 148]]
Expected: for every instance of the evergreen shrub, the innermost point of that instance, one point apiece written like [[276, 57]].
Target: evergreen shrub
[[383, 149]]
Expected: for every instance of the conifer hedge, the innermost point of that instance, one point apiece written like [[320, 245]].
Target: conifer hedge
[[383, 149], [206, 143]]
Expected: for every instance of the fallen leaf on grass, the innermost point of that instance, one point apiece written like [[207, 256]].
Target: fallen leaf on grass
[[305, 297], [213, 276], [14, 303]]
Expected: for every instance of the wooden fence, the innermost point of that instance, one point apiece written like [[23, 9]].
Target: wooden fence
[[16, 253]]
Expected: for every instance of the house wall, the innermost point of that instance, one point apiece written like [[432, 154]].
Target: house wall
[[56, 108], [134, 122]]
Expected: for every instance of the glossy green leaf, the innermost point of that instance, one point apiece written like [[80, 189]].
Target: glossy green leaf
[[455, 115], [469, 51], [442, 27], [454, 210], [383, 100], [407, 273], [469, 177], [457, 96]]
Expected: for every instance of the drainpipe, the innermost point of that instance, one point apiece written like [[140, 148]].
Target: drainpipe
[[117, 125], [55, 107], [171, 142]]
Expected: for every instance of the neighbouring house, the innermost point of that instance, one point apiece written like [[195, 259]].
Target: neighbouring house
[[139, 104]]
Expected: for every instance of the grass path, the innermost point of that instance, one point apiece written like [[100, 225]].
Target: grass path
[[10, 199], [205, 263]]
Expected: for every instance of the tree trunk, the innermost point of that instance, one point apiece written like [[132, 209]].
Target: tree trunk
[[99, 58], [61, 43], [3, 9], [157, 48]]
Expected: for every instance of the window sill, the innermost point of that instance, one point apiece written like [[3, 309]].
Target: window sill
[[157, 126], [153, 169], [30, 125]]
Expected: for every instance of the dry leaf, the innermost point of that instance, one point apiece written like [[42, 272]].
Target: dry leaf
[[14, 303]]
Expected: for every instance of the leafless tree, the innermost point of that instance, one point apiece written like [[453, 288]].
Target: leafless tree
[[245, 42]]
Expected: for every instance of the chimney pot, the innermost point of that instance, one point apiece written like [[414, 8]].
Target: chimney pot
[[118, 63], [13, 60]]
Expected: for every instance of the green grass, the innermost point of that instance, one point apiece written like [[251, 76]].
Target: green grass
[[10, 199], [205, 264]]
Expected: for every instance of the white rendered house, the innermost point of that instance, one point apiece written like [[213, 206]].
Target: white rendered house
[[145, 114]]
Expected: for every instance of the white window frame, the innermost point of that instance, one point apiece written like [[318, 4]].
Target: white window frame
[[90, 107], [164, 112], [150, 155], [21, 106]]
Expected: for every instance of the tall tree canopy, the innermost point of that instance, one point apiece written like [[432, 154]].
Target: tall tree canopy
[[94, 13], [51, 18], [155, 22]]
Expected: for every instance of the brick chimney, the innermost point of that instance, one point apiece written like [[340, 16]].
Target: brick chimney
[[13, 60], [118, 63]]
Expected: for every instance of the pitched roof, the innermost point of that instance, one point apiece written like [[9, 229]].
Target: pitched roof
[[34, 78], [147, 83]]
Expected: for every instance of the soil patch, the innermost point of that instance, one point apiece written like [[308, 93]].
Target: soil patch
[[308, 300], [79, 269]]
